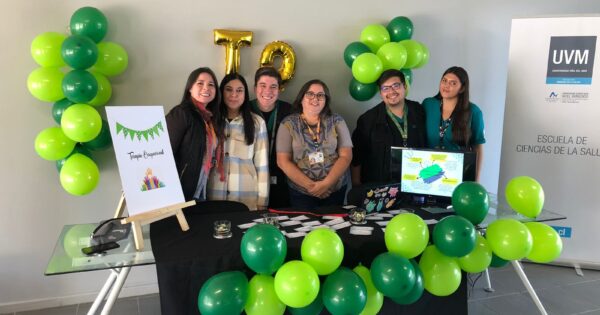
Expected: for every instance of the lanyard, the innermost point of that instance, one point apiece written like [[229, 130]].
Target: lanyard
[[444, 125], [403, 130], [314, 136], [270, 124]]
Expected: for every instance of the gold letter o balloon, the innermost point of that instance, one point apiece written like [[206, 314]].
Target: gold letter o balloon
[[283, 50]]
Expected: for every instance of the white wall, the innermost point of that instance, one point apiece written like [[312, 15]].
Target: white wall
[[165, 41]]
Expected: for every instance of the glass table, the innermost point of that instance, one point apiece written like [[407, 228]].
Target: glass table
[[68, 258]]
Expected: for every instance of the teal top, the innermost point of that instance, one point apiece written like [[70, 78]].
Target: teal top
[[432, 126]]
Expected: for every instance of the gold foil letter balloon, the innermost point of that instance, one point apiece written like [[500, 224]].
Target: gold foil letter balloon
[[283, 50], [233, 41]]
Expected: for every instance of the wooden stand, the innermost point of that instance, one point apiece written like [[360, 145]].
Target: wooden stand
[[151, 216]]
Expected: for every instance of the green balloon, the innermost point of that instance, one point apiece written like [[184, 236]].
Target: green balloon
[[354, 50], [52, 144], [367, 68], [406, 235], [81, 122], [374, 36], [362, 92], [408, 75], [547, 244], [509, 239], [374, 297], [223, 293], [344, 292], [393, 56], [76, 238], [392, 275], [441, 274], [416, 292], [45, 49], [59, 108], [104, 90], [497, 262], [296, 284], [425, 58], [78, 149], [525, 195], [479, 258], [79, 175], [414, 52], [471, 201], [112, 59], [400, 28], [80, 86], [45, 84], [102, 141], [314, 308], [263, 248], [90, 22], [454, 236], [79, 52], [262, 299], [323, 250]]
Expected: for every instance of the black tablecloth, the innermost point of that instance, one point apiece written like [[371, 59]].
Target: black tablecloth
[[185, 260]]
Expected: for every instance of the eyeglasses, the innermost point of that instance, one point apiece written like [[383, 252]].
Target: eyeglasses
[[310, 95], [387, 88]]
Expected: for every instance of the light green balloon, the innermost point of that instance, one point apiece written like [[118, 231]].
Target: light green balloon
[[479, 258], [547, 244], [392, 55], [45, 84], [52, 144], [112, 59], [441, 274], [79, 175], [296, 284], [323, 250], [45, 49], [374, 36], [406, 235], [374, 297], [509, 239], [414, 52], [81, 122], [262, 299], [104, 90], [425, 58], [525, 195], [76, 238], [367, 68]]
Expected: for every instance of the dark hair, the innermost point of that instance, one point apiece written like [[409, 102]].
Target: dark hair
[[220, 113], [461, 116], [187, 97], [297, 106], [390, 73], [267, 71]]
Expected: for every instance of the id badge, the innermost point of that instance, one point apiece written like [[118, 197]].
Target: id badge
[[273, 180], [316, 157]]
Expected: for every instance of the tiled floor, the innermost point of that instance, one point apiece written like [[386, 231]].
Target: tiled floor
[[560, 289]]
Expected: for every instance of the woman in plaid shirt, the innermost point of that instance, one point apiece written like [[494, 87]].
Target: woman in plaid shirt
[[243, 172]]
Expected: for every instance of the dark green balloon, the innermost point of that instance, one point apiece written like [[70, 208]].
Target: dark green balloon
[[360, 91], [263, 248], [78, 149], [102, 141], [314, 308], [470, 200], [354, 50], [79, 52], [90, 22], [416, 292], [498, 262], [454, 236], [392, 275], [59, 108], [344, 292], [408, 75], [223, 293], [400, 28], [80, 86]]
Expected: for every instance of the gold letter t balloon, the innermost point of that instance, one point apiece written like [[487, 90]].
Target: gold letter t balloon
[[233, 41]]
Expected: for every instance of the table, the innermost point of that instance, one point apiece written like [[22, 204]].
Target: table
[[67, 258]]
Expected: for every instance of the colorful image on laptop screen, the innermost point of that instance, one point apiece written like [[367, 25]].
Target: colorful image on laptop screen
[[434, 173]]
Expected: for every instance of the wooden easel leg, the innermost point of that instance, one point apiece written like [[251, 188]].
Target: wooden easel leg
[[138, 237], [120, 206], [182, 221]]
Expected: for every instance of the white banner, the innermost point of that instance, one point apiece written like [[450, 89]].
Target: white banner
[[552, 125]]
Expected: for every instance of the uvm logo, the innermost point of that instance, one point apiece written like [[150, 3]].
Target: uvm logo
[[571, 60], [553, 95]]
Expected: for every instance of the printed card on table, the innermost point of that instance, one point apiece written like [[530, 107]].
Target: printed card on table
[[145, 158]]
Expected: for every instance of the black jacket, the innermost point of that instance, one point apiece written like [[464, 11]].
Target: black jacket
[[375, 133], [187, 133]]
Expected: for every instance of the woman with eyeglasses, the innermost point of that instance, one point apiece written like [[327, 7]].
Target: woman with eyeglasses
[[242, 172], [314, 149], [452, 121], [395, 121]]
